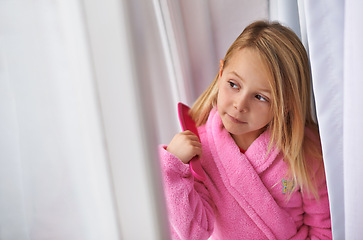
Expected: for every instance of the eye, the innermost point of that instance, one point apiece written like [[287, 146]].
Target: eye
[[232, 84], [261, 98]]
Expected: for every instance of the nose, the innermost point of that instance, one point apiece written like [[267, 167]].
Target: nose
[[241, 103]]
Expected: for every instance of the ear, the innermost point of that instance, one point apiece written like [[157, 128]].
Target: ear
[[221, 65]]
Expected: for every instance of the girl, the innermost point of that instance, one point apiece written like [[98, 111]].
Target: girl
[[259, 148]]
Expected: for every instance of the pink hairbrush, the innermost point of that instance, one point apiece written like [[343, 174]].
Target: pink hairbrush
[[187, 123]]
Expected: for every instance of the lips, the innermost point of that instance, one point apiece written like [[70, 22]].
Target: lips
[[235, 120]]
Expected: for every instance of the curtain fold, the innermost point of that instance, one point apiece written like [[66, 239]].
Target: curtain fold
[[325, 33], [53, 177], [353, 114], [334, 35]]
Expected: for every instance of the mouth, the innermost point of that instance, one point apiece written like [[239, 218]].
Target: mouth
[[235, 120]]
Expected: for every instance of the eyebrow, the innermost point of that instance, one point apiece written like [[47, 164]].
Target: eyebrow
[[236, 74], [241, 78]]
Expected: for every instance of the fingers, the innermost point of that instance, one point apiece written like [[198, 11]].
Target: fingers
[[189, 133], [191, 137], [185, 146]]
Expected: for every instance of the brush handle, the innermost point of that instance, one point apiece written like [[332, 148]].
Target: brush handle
[[187, 123]]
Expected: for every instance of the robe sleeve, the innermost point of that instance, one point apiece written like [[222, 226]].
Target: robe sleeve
[[317, 212], [190, 209]]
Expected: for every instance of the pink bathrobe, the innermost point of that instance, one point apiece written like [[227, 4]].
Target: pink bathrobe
[[244, 196]]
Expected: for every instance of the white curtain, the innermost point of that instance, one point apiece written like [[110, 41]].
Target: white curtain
[[77, 152], [54, 180], [353, 114], [334, 34], [325, 31]]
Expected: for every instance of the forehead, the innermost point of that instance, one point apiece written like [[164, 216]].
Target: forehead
[[249, 65]]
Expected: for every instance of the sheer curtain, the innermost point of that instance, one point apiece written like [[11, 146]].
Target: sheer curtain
[[353, 113], [54, 180], [325, 31], [77, 151], [334, 34]]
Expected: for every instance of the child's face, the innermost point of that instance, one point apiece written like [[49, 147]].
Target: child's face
[[244, 96]]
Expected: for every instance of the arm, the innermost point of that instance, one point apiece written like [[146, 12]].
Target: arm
[[189, 206], [317, 212]]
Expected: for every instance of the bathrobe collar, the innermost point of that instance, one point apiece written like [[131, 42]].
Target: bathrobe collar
[[255, 154], [240, 173]]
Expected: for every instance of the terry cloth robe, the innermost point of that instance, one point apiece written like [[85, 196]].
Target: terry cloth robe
[[245, 196]]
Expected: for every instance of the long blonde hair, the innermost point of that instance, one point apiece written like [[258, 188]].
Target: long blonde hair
[[288, 64]]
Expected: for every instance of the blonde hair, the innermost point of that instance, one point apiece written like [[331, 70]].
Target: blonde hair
[[288, 65]]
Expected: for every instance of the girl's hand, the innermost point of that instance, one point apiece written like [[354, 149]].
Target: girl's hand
[[185, 146]]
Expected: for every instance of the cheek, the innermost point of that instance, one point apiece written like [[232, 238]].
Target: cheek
[[269, 113], [263, 114], [220, 98], [223, 96], [269, 116]]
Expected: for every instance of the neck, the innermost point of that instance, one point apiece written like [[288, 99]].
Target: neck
[[244, 141]]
